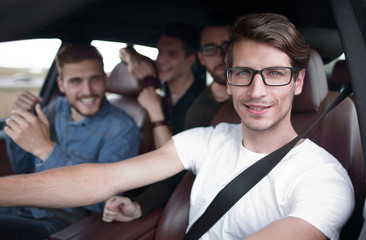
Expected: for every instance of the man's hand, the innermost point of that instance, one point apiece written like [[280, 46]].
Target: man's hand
[[26, 101], [121, 209], [138, 65], [30, 132], [151, 101]]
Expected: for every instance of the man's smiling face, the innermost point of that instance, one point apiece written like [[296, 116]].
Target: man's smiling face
[[83, 84], [259, 106]]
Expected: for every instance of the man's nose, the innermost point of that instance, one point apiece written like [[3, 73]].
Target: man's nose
[[87, 87], [258, 88]]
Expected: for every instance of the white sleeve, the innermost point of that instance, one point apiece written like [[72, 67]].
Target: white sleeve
[[323, 197], [191, 146]]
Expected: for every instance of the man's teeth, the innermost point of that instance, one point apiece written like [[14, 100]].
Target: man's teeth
[[87, 100], [257, 108]]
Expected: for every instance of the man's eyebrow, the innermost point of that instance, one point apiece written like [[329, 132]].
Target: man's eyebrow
[[74, 78], [209, 43], [97, 75]]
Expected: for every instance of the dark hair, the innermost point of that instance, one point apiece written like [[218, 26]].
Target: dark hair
[[215, 19], [185, 32], [76, 52], [273, 29]]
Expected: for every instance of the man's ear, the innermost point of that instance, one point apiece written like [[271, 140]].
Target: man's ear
[[60, 84], [299, 82], [105, 79], [200, 58], [191, 59], [228, 89]]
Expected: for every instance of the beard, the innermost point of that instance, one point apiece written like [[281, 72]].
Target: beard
[[255, 123], [77, 109], [218, 77]]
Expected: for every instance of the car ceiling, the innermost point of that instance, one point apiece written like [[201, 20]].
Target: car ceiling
[[140, 21]]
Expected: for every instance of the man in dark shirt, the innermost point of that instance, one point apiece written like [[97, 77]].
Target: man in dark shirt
[[214, 43], [166, 107], [173, 67]]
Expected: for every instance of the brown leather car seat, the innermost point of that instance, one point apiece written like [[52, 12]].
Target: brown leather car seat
[[125, 90], [339, 73], [338, 132]]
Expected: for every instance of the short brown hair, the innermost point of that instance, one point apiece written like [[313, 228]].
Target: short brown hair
[[273, 29], [76, 52]]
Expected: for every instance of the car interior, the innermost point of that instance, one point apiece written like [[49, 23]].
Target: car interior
[[337, 132], [331, 27]]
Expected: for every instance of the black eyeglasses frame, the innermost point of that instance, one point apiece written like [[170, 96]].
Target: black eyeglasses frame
[[221, 46], [294, 71]]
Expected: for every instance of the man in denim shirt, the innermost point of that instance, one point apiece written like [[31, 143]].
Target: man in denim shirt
[[89, 130]]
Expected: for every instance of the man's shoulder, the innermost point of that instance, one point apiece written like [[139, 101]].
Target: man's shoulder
[[201, 99], [315, 154], [59, 103], [117, 114], [222, 130], [228, 128]]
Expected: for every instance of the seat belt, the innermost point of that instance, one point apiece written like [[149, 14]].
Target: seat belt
[[247, 179], [51, 113], [77, 213]]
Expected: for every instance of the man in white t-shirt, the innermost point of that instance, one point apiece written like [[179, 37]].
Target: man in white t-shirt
[[308, 195]]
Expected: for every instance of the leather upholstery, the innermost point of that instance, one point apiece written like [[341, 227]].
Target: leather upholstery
[[174, 219], [126, 89], [93, 227], [315, 88], [121, 82], [339, 73]]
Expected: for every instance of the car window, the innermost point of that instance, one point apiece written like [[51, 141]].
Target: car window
[[23, 66], [110, 52], [329, 66]]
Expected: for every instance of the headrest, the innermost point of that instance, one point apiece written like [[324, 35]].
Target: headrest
[[315, 86], [120, 81], [340, 74]]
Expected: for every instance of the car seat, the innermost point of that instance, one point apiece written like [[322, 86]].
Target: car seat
[[339, 73], [123, 91], [337, 132]]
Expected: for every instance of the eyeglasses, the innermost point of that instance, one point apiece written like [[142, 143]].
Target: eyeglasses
[[272, 76], [211, 49]]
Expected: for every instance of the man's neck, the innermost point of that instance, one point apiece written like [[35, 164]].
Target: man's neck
[[76, 116], [269, 140], [219, 92], [178, 87]]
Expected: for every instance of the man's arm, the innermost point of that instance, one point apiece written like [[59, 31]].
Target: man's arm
[[121, 141], [124, 209], [88, 184], [26, 101], [138, 65], [151, 101], [30, 132], [289, 228], [21, 160]]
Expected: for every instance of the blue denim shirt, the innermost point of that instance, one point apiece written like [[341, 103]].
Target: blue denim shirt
[[109, 136]]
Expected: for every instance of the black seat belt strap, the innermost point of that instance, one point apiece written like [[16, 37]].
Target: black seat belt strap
[[247, 179], [51, 112]]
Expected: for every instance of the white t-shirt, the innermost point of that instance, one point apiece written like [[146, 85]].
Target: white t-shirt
[[308, 183]]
